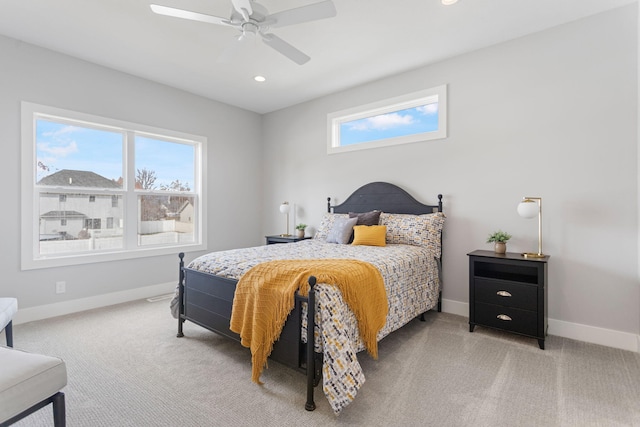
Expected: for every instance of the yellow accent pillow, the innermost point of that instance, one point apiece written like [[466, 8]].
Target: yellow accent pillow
[[370, 235]]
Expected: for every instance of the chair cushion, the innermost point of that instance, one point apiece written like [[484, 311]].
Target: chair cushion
[[27, 379], [8, 307]]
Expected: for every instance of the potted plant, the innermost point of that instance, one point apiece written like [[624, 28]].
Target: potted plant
[[499, 238], [300, 230]]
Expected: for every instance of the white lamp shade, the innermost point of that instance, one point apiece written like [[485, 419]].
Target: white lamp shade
[[528, 208], [284, 208]]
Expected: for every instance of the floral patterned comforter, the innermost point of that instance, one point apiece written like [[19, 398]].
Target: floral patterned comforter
[[411, 280]]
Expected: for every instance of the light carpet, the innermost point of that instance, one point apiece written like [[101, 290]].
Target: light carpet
[[127, 368]]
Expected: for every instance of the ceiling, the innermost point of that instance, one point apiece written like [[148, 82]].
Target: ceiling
[[367, 40]]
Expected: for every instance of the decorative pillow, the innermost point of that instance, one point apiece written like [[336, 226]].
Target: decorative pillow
[[326, 224], [341, 230], [370, 235], [419, 230], [366, 218]]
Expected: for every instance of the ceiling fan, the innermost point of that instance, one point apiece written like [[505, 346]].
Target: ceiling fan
[[252, 20]]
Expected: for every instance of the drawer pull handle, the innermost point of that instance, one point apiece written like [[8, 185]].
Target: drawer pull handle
[[503, 293], [503, 317]]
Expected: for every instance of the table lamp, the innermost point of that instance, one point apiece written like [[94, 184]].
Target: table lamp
[[285, 208], [529, 207]]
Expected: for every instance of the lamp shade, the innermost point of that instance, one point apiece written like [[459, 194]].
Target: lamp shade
[[528, 208], [284, 207]]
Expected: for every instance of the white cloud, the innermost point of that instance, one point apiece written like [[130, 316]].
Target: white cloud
[[428, 109], [58, 151], [382, 122]]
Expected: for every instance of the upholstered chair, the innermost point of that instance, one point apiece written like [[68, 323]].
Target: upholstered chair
[[8, 308]]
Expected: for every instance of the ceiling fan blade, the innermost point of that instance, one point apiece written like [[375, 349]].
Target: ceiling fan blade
[[285, 48], [193, 16], [243, 7], [312, 12]]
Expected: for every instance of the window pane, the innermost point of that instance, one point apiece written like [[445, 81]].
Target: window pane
[[74, 224], [165, 219], [410, 121], [163, 165], [76, 156]]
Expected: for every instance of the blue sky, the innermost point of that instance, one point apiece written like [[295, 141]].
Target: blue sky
[[63, 146], [399, 123]]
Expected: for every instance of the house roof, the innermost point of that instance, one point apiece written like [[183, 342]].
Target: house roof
[[73, 178], [184, 205], [63, 215]]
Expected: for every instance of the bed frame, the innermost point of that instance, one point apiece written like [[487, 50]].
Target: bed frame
[[206, 300]]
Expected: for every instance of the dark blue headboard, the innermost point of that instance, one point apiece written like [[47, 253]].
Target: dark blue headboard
[[384, 197]]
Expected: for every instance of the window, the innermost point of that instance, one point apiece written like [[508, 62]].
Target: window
[[100, 189], [419, 116]]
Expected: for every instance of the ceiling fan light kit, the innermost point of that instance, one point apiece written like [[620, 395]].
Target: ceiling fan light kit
[[251, 18]]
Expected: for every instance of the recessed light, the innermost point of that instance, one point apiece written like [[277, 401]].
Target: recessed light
[[260, 79], [449, 2]]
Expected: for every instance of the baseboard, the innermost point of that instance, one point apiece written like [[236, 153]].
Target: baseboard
[[575, 331], [595, 335], [455, 307], [40, 312]]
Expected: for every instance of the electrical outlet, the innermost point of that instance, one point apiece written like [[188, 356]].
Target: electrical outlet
[[61, 287]]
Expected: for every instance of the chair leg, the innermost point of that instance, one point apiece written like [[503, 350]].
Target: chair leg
[[59, 417], [8, 332]]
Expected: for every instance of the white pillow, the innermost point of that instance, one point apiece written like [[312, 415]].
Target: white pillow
[[341, 230], [418, 230], [326, 224]]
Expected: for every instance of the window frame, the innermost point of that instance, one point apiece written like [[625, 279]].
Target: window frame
[[30, 256], [411, 100]]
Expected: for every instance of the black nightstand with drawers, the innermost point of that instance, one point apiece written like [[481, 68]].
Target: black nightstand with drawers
[[283, 239], [508, 292]]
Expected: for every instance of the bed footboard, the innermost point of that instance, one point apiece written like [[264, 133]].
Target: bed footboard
[[207, 300], [310, 405], [181, 295]]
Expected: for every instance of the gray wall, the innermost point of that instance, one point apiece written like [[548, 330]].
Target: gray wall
[[38, 75], [553, 114]]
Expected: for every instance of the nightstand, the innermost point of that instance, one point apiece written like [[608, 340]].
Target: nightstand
[[508, 292], [284, 239]]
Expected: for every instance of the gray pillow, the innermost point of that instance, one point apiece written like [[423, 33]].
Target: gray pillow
[[366, 218], [341, 230]]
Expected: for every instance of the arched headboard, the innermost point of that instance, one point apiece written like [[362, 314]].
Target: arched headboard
[[384, 197]]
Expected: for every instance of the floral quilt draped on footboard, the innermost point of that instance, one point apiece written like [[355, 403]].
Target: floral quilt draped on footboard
[[411, 280]]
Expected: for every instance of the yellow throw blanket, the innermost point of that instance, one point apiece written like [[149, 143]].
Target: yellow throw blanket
[[265, 295]]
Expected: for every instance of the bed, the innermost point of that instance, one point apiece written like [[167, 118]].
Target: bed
[[409, 262]]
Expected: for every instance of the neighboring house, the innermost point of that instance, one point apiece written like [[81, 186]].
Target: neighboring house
[[184, 220], [186, 212], [61, 225], [64, 215]]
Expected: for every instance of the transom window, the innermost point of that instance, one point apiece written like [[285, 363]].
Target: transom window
[[419, 116], [101, 189]]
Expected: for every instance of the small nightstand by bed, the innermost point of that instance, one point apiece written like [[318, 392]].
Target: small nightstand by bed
[[508, 292], [283, 239]]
